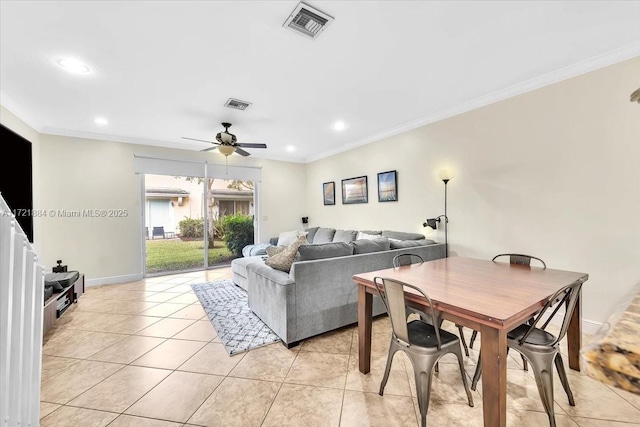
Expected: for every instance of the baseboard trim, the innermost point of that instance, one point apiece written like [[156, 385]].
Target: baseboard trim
[[590, 327], [113, 280]]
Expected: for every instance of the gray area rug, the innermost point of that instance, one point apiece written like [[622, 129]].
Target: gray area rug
[[237, 326]]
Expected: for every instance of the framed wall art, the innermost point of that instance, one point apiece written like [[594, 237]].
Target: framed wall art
[[329, 193], [355, 190], [388, 186]]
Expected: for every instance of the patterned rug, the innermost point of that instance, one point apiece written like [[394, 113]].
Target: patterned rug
[[237, 326]]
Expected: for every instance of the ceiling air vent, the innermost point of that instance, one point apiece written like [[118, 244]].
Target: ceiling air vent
[[307, 20], [237, 104]]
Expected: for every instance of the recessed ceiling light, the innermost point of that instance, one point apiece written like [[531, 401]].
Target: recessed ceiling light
[[73, 66], [291, 148], [101, 121], [339, 126]]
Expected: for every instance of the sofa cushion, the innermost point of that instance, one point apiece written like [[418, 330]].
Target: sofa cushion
[[401, 244], [311, 233], [363, 235], [324, 250], [283, 260], [345, 236], [378, 232], [324, 235], [273, 250], [365, 246], [286, 238], [400, 235]]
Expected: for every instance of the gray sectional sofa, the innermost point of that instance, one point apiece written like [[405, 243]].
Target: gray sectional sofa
[[318, 294]]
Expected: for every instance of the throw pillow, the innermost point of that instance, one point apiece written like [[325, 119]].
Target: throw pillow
[[324, 235], [273, 250], [345, 236], [324, 250], [366, 236], [365, 246], [283, 260], [286, 238]]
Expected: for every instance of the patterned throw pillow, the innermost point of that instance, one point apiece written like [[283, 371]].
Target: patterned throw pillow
[[283, 260], [274, 250]]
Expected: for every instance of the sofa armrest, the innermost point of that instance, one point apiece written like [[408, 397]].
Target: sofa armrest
[[271, 296]]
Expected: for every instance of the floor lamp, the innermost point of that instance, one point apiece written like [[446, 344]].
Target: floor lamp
[[445, 176]]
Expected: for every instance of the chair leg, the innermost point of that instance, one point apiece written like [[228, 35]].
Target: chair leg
[[474, 335], [477, 373], [392, 351], [542, 366], [562, 374], [463, 373], [423, 389], [524, 363], [462, 340]]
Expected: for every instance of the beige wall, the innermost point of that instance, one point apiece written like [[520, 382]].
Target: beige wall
[[74, 173], [553, 173]]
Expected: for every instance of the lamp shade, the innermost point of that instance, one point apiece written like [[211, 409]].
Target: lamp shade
[[226, 150], [445, 174]]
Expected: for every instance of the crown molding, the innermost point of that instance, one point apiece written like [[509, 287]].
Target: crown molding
[[597, 62]]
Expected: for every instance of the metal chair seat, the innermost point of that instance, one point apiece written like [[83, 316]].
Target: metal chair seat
[[424, 335], [535, 337]]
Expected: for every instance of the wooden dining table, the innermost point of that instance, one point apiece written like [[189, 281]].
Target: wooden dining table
[[490, 297]]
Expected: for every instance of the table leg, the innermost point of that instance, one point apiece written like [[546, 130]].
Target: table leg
[[574, 335], [365, 311], [494, 376]]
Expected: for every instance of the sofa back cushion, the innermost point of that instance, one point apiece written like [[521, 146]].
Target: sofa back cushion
[[345, 236], [282, 261], [400, 235], [365, 246], [402, 244], [324, 235], [363, 235], [324, 250], [311, 233], [286, 238]]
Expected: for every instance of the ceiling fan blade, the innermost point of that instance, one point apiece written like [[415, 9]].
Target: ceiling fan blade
[[251, 145], [201, 140], [242, 152], [209, 149]]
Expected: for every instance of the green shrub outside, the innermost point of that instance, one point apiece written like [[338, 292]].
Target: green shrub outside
[[190, 227], [238, 232]]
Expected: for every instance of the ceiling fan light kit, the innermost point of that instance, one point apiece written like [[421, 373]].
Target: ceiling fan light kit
[[228, 143]]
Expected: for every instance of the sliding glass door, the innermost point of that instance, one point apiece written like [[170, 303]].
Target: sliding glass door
[[184, 220]]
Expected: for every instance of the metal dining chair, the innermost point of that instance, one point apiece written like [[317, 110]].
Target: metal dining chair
[[407, 259], [519, 259], [542, 348], [423, 343]]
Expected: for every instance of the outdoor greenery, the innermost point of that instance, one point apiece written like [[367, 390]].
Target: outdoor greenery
[[190, 227], [238, 232], [175, 254]]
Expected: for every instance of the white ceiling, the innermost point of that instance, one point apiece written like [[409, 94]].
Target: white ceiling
[[162, 70]]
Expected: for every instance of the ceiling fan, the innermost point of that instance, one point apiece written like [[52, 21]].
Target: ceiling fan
[[228, 143]]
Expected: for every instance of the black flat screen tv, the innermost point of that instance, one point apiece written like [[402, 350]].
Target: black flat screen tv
[[16, 184]]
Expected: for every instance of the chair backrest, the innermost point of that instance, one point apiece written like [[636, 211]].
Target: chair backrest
[[406, 259], [392, 293], [158, 231], [520, 259], [567, 297]]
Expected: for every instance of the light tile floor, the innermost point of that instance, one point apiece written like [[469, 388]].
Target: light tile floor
[[145, 354]]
